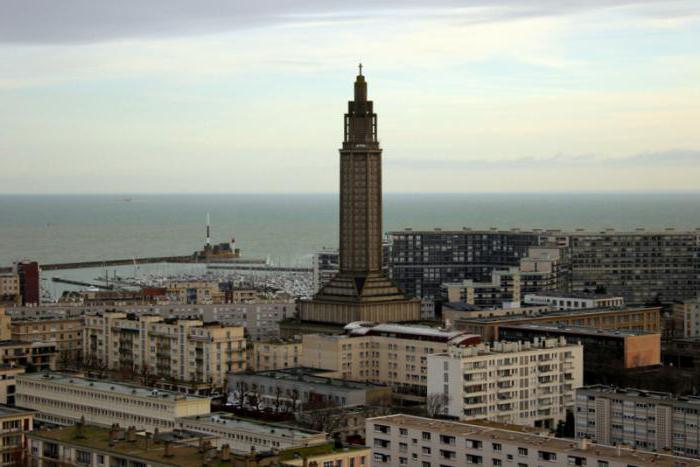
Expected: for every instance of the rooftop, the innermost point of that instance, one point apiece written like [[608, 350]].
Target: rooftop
[[579, 295], [553, 314], [107, 386], [577, 330], [557, 232], [313, 376], [7, 411], [226, 420], [632, 392], [416, 332], [564, 446]]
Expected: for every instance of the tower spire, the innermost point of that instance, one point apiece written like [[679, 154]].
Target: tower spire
[[360, 67]]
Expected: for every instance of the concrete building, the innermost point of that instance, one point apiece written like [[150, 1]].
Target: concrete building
[[33, 356], [243, 435], [389, 354], [360, 291], [29, 283], [8, 384], [627, 319], [65, 333], [325, 265], [653, 421], [623, 349], [176, 351], [504, 287], [274, 355], [15, 423], [686, 318], [562, 300], [508, 382], [422, 442], [9, 289], [642, 266], [61, 399], [93, 446], [301, 388]]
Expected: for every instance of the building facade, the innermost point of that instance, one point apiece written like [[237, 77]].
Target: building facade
[[176, 351], [15, 424], [62, 399], [504, 287], [561, 300], [65, 333], [649, 420], [273, 355], [509, 382], [360, 291], [9, 289], [686, 318], [29, 283], [424, 442], [389, 354]]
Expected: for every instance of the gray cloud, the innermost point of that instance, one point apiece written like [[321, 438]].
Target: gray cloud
[[81, 21], [670, 158]]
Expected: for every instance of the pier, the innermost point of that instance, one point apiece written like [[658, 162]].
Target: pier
[[253, 267]]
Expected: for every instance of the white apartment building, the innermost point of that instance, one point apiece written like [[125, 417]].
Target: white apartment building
[[530, 383], [406, 440], [390, 354], [562, 300], [654, 421], [242, 435], [61, 399], [185, 350]]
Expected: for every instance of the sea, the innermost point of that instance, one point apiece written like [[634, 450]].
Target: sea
[[286, 229]]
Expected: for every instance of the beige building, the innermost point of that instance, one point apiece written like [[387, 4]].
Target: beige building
[[173, 351], [562, 300], [390, 354], [62, 399], [686, 318], [649, 420], [8, 384], [9, 289], [273, 355], [504, 287], [14, 425], [405, 440], [34, 356], [530, 383], [65, 333]]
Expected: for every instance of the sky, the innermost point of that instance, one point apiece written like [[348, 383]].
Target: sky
[[220, 96]]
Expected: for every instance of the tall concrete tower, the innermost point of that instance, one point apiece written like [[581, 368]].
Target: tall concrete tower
[[360, 291]]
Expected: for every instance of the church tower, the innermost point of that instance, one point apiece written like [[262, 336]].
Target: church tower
[[360, 291]]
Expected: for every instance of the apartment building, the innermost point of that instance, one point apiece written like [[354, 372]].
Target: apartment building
[[530, 383], [642, 266], [649, 420], [94, 446], [33, 356], [562, 300], [275, 354], [8, 375], [424, 442], [686, 318], [15, 423], [62, 399], [242, 435], [504, 287], [646, 320], [65, 333], [390, 354], [176, 351], [9, 289]]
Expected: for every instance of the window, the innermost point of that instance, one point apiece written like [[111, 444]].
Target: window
[[445, 439], [474, 444], [425, 464], [497, 447], [497, 462], [445, 454], [603, 464], [425, 450], [522, 451], [575, 460], [83, 457], [382, 429], [403, 432], [477, 460], [546, 456], [426, 436]]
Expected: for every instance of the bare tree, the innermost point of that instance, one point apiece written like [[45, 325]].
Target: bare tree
[[436, 404], [323, 415]]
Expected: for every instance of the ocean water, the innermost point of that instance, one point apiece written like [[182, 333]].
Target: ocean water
[[287, 229]]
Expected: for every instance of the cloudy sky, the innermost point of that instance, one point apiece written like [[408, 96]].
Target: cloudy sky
[[247, 96]]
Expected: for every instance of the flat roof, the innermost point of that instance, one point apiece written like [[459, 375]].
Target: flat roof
[[577, 330], [556, 313], [108, 386], [312, 376], [568, 447], [7, 411], [544, 231], [574, 295], [633, 392], [226, 420]]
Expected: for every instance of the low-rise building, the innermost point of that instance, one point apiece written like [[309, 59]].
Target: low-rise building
[[174, 351], [563, 300], [242, 435], [504, 287], [649, 420], [299, 388], [416, 441], [65, 333], [389, 354], [34, 356], [9, 289], [275, 354], [8, 384], [15, 423], [62, 399], [530, 383]]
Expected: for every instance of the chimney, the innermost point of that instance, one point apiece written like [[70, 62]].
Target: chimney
[[131, 434], [156, 439], [147, 441], [112, 435], [201, 445], [168, 449], [225, 453]]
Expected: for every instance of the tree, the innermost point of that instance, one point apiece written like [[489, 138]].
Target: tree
[[322, 415], [436, 404]]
